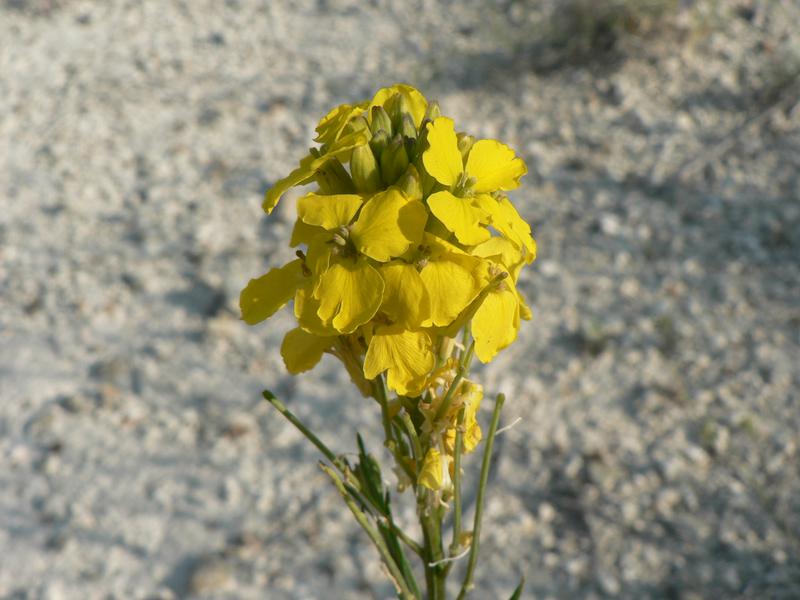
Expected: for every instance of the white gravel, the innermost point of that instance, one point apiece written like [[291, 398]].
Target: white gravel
[[657, 456]]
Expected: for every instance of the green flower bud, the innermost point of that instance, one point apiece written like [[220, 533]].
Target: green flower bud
[[432, 112], [380, 139], [333, 178], [400, 107], [394, 161], [381, 120], [407, 128], [365, 171], [410, 183], [465, 142]]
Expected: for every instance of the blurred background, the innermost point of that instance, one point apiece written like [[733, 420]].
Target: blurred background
[[657, 455]]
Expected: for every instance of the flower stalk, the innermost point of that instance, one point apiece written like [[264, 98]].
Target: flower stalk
[[409, 241]]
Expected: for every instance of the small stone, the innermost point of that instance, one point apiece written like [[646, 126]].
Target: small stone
[[608, 583], [546, 512], [210, 575]]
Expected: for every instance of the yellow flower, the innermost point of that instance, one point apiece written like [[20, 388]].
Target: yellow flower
[[451, 277], [349, 288], [490, 166]]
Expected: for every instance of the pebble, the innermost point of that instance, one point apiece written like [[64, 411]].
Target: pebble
[[210, 575]]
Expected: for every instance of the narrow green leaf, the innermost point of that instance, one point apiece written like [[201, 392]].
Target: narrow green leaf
[[518, 592]]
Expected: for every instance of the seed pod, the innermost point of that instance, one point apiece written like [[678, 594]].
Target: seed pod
[[365, 171]]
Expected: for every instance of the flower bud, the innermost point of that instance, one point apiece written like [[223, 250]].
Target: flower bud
[[364, 170], [380, 120], [394, 161], [432, 112], [333, 178], [410, 184], [400, 107], [465, 142], [407, 128], [380, 139]]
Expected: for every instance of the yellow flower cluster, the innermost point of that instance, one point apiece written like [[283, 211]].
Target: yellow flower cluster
[[408, 239]]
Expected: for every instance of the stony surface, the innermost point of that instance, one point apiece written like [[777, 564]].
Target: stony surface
[[657, 456]]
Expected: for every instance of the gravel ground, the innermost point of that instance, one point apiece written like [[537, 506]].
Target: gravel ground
[[657, 456]]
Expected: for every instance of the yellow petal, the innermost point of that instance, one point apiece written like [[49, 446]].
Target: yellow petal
[[517, 229], [328, 212], [416, 101], [334, 122], [431, 473], [469, 396], [306, 308], [472, 435], [349, 294], [389, 224], [296, 177], [501, 251], [302, 233], [343, 147], [318, 258], [495, 323], [495, 166], [442, 158], [450, 288], [264, 296], [405, 299], [301, 351], [406, 355], [507, 221], [459, 216]]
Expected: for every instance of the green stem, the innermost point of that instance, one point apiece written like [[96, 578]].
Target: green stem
[[270, 397], [463, 368], [434, 574], [380, 544], [476, 528], [455, 544], [379, 388]]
